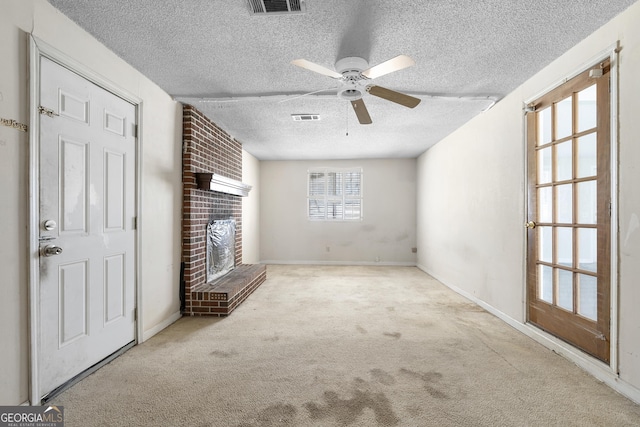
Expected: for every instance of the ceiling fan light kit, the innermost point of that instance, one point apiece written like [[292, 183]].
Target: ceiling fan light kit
[[355, 75]]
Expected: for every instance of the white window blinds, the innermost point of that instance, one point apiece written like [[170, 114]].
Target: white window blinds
[[334, 194]]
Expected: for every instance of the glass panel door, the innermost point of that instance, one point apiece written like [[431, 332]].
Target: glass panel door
[[569, 217]]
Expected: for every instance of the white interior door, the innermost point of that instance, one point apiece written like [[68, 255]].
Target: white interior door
[[86, 219]]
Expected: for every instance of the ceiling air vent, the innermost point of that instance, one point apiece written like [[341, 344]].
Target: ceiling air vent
[[261, 7], [305, 117]]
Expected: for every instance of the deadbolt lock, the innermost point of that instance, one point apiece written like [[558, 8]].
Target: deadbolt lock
[[49, 225]]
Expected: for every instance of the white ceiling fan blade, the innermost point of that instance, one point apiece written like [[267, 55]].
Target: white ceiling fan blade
[[303, 63], [393, 64]]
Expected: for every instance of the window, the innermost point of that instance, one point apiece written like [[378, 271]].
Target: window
[[334, 194]]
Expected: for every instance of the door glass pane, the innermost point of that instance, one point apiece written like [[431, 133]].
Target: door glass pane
[[545, 283], [587, 202], [588, 249], [587, 111], [564, 118], [564, 161], [544, 165], [544, 126], [564, 246], [586, 156], [565, 289], [588, 296], [545, 240], [545, 204], [564, 203]]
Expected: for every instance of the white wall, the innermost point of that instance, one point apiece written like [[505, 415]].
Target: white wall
[[14, 364], [471, 192], [160, 212], [385, 236], [251, 210]]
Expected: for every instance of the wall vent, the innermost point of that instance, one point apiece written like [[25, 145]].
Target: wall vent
[[305, 117], [262, 7]]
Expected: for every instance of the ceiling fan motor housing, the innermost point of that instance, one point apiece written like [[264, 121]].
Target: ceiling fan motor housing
[[351, 68], [351, 63]]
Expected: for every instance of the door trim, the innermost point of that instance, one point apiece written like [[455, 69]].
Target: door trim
[[37, 49], [574, 353]]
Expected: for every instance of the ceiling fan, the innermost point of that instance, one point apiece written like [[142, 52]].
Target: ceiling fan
[[356, 76]]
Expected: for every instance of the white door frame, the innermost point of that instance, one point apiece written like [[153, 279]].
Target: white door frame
[[38, 49]]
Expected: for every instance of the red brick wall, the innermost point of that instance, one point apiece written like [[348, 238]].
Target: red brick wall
[[207, 148]]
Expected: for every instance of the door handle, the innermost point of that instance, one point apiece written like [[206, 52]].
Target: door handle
[[51, 250], [530, 225]]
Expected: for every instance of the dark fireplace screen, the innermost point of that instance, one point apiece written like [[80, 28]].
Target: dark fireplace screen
[[221, 238]]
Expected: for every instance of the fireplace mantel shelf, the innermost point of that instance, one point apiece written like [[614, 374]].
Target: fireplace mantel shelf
[[222, 184]]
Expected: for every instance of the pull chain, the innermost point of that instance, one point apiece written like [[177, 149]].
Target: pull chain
[[347, 119]]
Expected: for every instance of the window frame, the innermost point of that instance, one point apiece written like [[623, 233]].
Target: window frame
[[342, 198]]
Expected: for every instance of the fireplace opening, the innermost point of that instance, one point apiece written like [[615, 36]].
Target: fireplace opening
[[221, 238]]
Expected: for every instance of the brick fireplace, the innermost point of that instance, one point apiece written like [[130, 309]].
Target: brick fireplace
[[210, 154]]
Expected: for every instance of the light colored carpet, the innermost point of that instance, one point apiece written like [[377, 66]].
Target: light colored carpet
[[344, 346]]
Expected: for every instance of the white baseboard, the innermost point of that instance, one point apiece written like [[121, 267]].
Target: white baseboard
[[367, 263], [594, 367], [159, 327]]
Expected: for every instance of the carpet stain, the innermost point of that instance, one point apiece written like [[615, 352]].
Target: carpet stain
[[361, 329], [224, 354], [274, 338], [347, 411], [274, 415], [395, 335], [390, 308], [429, 379], [382, 377]]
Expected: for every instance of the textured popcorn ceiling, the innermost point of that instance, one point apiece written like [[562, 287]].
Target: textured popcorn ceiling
[[235, 67]]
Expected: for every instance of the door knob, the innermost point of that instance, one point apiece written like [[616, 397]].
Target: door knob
[[51, 250], [530, 225]]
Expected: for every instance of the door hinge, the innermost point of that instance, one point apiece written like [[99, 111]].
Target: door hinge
[[135, 314], [609, 208], [135, 130], [47, 111], [135, 222]]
